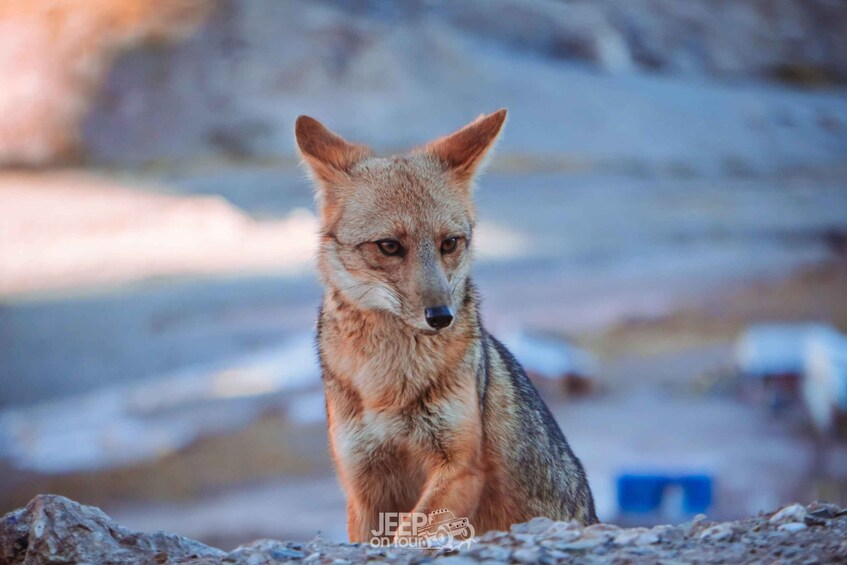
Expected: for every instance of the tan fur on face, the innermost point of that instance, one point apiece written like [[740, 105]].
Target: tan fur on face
[[409, 200], [418, 419]]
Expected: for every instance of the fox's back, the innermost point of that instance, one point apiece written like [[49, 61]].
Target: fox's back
[[532, 464]]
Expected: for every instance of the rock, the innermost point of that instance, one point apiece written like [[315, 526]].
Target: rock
[[823, 511], [493, 536], [526, 555], [54, 529], [719, 532], [458, 560], [567, 531], [628, 537], [264, 551], [793, 527], [583, 544], [490, 553], [636, 536], [666, 533], [647, 538], [791, 513], [559, 537], [602, 529], [689, 528], [524, 539], [534, 526]]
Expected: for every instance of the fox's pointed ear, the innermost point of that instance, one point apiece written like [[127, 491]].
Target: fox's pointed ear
[[463, 152], [328, 155]]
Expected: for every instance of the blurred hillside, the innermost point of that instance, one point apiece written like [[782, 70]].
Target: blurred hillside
[[53, 57], [694, 85]]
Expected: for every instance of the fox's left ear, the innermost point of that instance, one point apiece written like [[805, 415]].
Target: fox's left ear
[[463, 152]]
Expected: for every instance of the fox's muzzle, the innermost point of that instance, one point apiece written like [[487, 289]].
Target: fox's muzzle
[[439, 317], [434, 289]]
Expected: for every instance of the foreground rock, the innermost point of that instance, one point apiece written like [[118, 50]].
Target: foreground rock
[[53, 529]]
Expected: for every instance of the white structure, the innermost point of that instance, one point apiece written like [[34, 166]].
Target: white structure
[[813, 353], [825, 379], [766, 350]]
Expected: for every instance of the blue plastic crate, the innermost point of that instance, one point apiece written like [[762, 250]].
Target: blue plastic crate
[[643, 493]]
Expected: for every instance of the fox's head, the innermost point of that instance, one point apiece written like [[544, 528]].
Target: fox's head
[[396, 232]]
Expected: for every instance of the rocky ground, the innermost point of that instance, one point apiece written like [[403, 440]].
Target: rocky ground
[[54, 529]]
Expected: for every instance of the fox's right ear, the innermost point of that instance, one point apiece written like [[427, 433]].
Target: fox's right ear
[[327, 154]]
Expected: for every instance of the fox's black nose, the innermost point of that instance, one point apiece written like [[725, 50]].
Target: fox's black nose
[[439, 317]]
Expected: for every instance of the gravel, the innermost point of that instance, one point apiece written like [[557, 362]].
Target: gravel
[[54, 529]]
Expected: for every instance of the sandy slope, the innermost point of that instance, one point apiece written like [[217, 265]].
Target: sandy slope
[[65, 230]]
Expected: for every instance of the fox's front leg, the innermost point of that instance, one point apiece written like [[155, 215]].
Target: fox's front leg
[[455, 483], [457, 490], [367, 495], [355, 523], [362, 505]]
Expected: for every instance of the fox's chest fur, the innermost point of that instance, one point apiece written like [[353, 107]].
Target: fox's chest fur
[[394, 386], [399, 404]]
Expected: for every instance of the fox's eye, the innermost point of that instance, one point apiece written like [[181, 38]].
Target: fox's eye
[[390, 247], [449, 245]]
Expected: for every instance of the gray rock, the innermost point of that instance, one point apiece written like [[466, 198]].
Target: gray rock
[[534, 526], [692, 526], [647, 538], [490, 552], [526, 539], [793, 527], [567, 531], [53, 529], [493, 536], [822, 510], [790, 513], [260, 550], [669, 533], [636, 536], [583, 544], [719, 532], [602, 529], [458, 560], [526, 555]]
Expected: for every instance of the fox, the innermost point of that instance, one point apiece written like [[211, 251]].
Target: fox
[[425, 409]]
